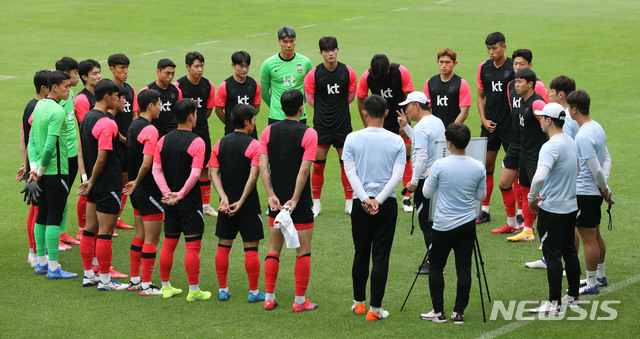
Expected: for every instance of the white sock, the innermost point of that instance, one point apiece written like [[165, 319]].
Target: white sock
[[145, 284], [356, 302], [89, 274], [591, 279], [194, 288], [300, 299], [486, 208], [42, 260], [316, 201], [600, 271], [270, 296], [406, 198], [118, 218], [53, 265], [349, 201], [95, 261], [105, 278], [165, 283], [226, 289], [31, 253], [375, 310], [206, 207], [527, 228], [254, 292], [511, 221], [135, 280], [519, 211]]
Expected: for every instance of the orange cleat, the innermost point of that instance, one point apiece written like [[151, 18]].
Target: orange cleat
[[123, 225], [67, 239]]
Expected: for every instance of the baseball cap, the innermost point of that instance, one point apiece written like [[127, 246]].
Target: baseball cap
[[416, 96], [286, 31], [552, 110]]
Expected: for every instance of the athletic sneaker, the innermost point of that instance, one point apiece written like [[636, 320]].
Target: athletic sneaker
[[540, 263], [523, 236], [423, 269], [32, 261], [111, 286], [484, 217], [504, 229], [123, 225], [359, 308], [307, 306], [62, 246], [373, 317], [457, 318], [224, 295], [520, 220], [590, 290], [41, 270], [570, 301], [348, 205], [88, 282], [198, 295], [548, 308], [134, 287], [67, 239], [210, 211], [252, 298], [317, 209], [406, 205], [439, 317], [169, 291], [60, 274], [270, 304], [600, 282], [151, 290]]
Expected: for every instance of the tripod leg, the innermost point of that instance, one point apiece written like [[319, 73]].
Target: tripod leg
[[475, 255], [414, 281], [486, 286]]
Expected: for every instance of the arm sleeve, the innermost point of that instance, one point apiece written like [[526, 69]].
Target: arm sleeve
[[221, 99], [606, 166], [465, 94], [597, 172], [191, 182], [428, 191], [211, 101], [265, 83], [481, 193], [407, 83], [158, 176], [394, 181], [356, 184], [310, 82], [408, 131], [420, 165], [363, 87], [538, 180]]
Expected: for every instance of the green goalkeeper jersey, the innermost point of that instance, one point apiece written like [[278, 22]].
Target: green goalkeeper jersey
[[277, 76], [70, 125], [49, 122]]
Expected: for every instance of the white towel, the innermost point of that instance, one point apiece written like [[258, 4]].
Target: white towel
[[285, 224]]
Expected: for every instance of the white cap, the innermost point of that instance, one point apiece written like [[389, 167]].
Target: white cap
[[552, 110], [416, 96]]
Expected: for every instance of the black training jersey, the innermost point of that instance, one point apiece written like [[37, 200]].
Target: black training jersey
[[446, 98], [142, 138], [494, 80], [204, 93], [99, 132], [531, 135], [26, 119], [166, 122], [231, 93], [124, 118], [331, 96]]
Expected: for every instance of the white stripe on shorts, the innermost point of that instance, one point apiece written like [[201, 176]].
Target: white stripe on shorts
[[116, 197], [155, 203]]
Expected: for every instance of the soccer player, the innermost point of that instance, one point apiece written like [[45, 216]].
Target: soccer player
[[595, 165], [196, 87], [40, 81], [49, 167], [423, 138], [330, 87], [493, 106], [458, 180], [119, 67], [239, 88], [511, 192], [177, 164], [234, 171], [169, 95], [282, 71], [392, 82], [287, 149], [374, 160], [142, 138], [555, 180], [448, 92], [99, 135]]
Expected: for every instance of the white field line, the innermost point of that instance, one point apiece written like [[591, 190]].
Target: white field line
[[208, 42], [399, 9], [6, 77], [154, 52], [308, 26], [353, 18], [442, 1], [259, 34]]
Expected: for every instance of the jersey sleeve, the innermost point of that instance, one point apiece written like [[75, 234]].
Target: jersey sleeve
[[587, 146], [425, 90], [347, 150], [81, 106], [264, 139], [310, 82], [156, 155], [221, 98], [213, 162], [310, 144], [432, 179], [353, 79], [538, 105], [363, 86], [179, 92], [465, 94], [548, 155], [257, 99], [105, 130], [479, 78], [135, 106], [407, 83], [148, 137], [265, 81], [253, 152], [211, 101], [307, 65], [196, 151], [542, 90], [144, 88]]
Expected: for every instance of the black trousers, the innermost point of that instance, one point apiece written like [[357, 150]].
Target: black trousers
[[372, 237], [461, 239], [422, 206], [557, 237]]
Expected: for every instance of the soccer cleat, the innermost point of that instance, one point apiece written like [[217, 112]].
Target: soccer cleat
[[116, 274], [457, 318], [406, 205], [134, 287], [307, 306], [270, 304], [570, 301], [67, 239], [371, 316], [523, 236], [484, 217], [520, 220], [255, 297], [348, 205], [504, 229], [62, 246], [198, 295], [423, 269], [32, 260], [111, 286], [151, 290], [60, 274], [540, 263], [79, 235], [88, 282], [41, 270], [439, 317], [359, 308], [123, 225], [115, 234], [600, 281], [317, 209], [548, 308], [169, 291], [224, 295], [210, 211], [540, 248], [590, 290]]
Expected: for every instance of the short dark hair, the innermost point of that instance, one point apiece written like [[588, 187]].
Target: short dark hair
[[41, 78], [494, 38], [105, 87], [523, 53], [424, 107], [379, 67], [557, 122], [527, 74], [328, 43], [57, 78], [447, 52], [66, 64], [242, 113], [118, 59], [191, 57], [183, 108], [563, 84], [291, 100], [458, 134], [241, 57], [146, 97], [286, 31], [85, 66], [164, 63], [375, 106], [579, 100]]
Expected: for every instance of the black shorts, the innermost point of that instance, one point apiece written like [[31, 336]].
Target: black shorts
[[589, 211], [106, 202], [248, 224], [53, 198], [207, 151], [73, 170], [526, 170], [335, 138], [147, 204], [497, 138], [189, 222], [511, 158]]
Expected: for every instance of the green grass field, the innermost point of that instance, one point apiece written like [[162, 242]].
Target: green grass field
[[593, 42]]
